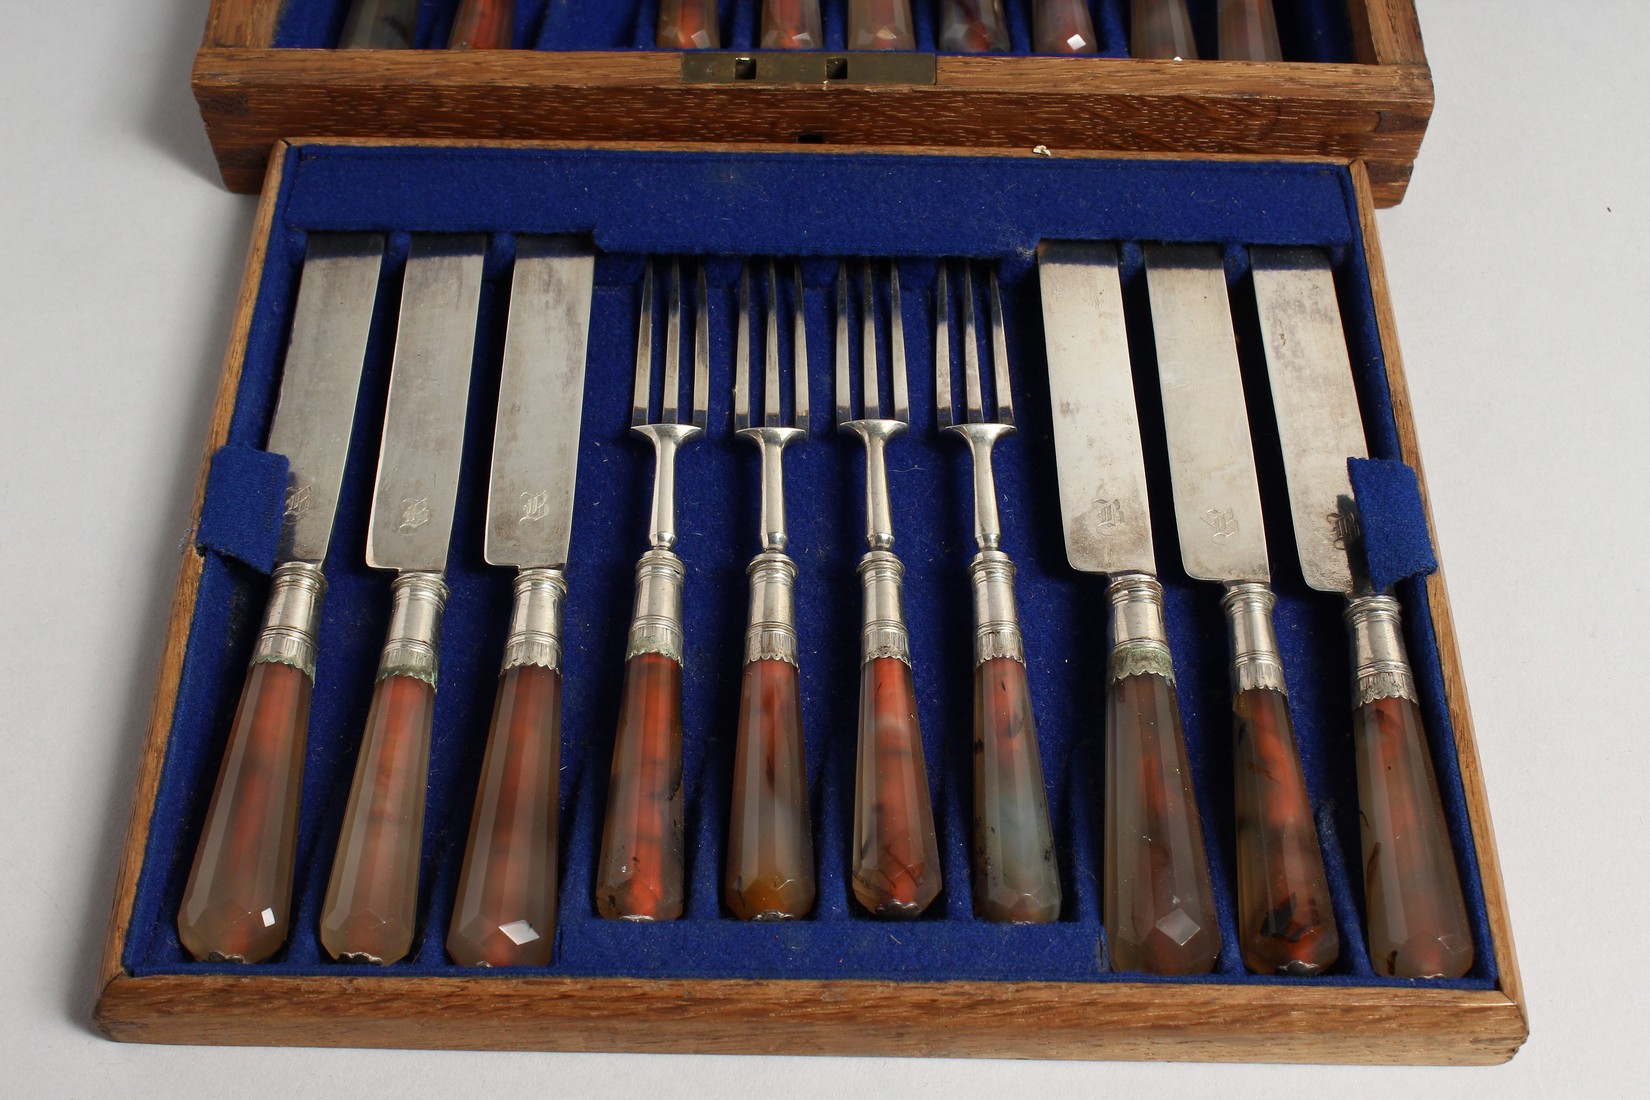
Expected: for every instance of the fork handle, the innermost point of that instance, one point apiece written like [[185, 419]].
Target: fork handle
[[1418, 925], [1161, 29], [880, 25], [1063, 26], [896, 864], [483, 25], [639, 875], [688, 25], [1249, 31], [791, 25]]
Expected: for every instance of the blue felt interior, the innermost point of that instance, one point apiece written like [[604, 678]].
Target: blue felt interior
[[245, 501], [721, 205], [1401, 546], [1309, 30]]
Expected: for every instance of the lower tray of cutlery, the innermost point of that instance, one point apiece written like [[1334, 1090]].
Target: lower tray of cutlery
[[838, 981]]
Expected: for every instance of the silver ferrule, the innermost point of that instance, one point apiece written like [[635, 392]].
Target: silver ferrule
[[656, 627], [879, 516], [1139, 635], [1380, 663], [1256, 663], [772, 632], [293, 617], [884, 634], [996, 618], [535, 620], [413, 645]]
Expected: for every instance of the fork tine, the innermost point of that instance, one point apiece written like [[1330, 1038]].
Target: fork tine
[[971, 350], [871, 399], [701, 353], [999, 353], [742, 354], [844, 398], [942, 350], [770, 378], [799, 354], [642, 393], [896, 340], [673, 347]]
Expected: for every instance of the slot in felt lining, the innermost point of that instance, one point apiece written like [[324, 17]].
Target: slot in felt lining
[[1309, 30], [723, 205]]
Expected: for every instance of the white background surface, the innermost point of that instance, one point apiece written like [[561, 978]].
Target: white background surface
[[1522, 288]]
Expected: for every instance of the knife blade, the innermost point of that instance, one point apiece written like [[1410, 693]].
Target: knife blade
[[370, 912], [238, 899], [505, 910], [1157, 902], [1285, 921], [1417, 918]]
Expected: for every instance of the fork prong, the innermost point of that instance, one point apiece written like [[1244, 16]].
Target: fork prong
[[844, 397], [770, 378], [671, 398], [799, 355], [971, 350], [643, 390], [942, 350], [701, 352], [896, 342], [999, 353], [871, 398], [742, 354]]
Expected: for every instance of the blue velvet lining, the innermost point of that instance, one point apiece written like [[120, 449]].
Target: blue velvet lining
[[720, 205], [1398, 545], [245, 501], [1309, 30]]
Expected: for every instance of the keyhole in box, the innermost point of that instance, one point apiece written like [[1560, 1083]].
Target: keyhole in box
[[744, 68], [836, 68]]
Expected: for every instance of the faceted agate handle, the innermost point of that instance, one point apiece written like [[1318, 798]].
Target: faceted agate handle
[[505, 910], [1016, 878], [371, 908], [880, 25], [896, 865], [483, 25], [238, 901], [1249, 31], [380, 25], [973, 26], [688, 25], [1161, 29], [1063, 26], [1156, 899], [1418, 924], [791, 25]]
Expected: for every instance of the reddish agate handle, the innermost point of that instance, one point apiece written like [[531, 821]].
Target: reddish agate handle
[[483, 25]]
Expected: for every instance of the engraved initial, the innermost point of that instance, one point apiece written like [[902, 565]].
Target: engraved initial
[[1222, 523], [1343, 529], [414, 513], [1108, 513], [534, 506], [299, 502]]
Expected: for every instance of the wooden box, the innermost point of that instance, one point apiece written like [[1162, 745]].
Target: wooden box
[[622, 986], [1370, 103]]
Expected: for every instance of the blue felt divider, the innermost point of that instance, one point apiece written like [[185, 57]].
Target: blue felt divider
[[245, 502], [1309, 30], [719, 206]]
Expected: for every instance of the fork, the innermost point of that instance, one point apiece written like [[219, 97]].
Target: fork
[[896, 859], [1015, 875], [770, 863], [639, 874]]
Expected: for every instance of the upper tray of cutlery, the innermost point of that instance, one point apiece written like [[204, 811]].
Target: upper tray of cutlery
[[1279, 77]]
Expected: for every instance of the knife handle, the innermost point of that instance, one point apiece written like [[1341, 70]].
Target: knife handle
[[1016, 878], [1161, 29], [1418, 924], [505, 911], [639, 875], [791, 25], [238, 901], [973, 26], [371, 908], [1063, 26], [483, 25], [688, 25], [896, 863], [770, 862], [1249, 31], [1156, 898], [880, 25], [1286, 921], [380, 25]]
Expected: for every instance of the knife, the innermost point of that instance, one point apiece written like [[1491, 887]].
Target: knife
[[505, 911], [370, 911], [1418, 925], [237, 903], [1156, 898], [1285, 921]]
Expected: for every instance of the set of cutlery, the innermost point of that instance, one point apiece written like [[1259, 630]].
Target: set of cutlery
[[1158, 903]]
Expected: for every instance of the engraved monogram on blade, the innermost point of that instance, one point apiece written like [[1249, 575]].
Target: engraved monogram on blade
[[414, 514], [1222, 523], [534, 506], [300, 501], [1342, 528], [1108, 514]]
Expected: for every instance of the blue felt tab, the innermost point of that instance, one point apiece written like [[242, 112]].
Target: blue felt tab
[[1396, 540], [245, 501]]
